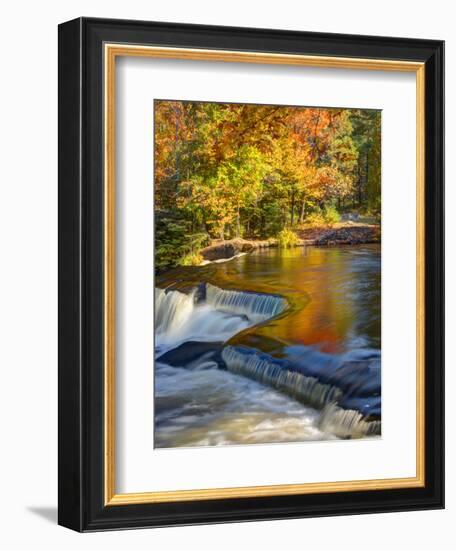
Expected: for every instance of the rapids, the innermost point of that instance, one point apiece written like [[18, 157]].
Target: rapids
[[238, 362]]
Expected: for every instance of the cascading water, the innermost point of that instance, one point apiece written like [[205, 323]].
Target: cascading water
[[264, 369], [215, 407], [307, 389], [233, 393], [172, 310], [179, 318], [257, 307], [347, 423]]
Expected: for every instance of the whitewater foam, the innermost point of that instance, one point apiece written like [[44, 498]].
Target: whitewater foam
[[215, 315], [309, 390], [347, 423], [266, 370], [178, 319]]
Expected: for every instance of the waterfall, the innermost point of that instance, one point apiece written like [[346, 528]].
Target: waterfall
[[257, 307], [172, 309], [269, 371], [347, 423], [272, 372], [215, 315], [211, 315]]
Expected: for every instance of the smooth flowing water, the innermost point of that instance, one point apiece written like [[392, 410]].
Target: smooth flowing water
[[277, 345]]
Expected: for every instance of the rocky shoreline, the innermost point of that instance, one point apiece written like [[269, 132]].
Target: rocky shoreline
[[340, 234]]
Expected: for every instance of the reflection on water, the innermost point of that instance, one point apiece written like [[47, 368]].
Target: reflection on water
[[333, 297], [342, 285]]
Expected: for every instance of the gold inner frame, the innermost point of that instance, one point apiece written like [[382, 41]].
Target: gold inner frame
[[111, 52]]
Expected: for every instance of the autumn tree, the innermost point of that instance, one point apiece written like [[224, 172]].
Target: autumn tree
[[239, 169]]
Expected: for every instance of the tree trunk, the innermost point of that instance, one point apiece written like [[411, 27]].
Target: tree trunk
[[292, 207], [303, 211], [359, 185], [238, 223]]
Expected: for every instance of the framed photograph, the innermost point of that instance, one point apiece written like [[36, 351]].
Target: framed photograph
[[250, 274]]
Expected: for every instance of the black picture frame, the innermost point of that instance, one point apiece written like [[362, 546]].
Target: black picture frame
[[81, 399]]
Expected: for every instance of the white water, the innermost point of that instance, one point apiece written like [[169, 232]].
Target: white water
[[347, 423], [255, 400], [224, 260], [223, 313], [216, 407], [307, 389], [178, 319], [210, 406], [264, 370]]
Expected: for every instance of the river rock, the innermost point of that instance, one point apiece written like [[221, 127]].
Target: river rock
[[350, 235], [192, 354], [226, 249]]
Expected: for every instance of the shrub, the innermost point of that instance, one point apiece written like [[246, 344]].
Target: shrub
[[287, 238], [170, 239], [331, 215], [272, 220], [174, 241], [192, 258], [315, 218]]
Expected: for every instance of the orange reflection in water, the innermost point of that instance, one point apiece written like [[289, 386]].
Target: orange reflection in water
[[333, 293]]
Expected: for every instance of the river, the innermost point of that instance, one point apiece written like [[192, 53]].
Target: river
[[273, 346]]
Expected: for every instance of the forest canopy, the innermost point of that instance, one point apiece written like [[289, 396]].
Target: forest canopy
[[241, 170]]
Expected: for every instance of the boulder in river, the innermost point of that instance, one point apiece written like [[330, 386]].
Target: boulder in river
[[226, 249]]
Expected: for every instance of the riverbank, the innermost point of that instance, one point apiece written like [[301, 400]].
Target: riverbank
[[345, 233]]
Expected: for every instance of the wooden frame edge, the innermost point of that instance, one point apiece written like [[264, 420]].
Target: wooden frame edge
[[110, 53]]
